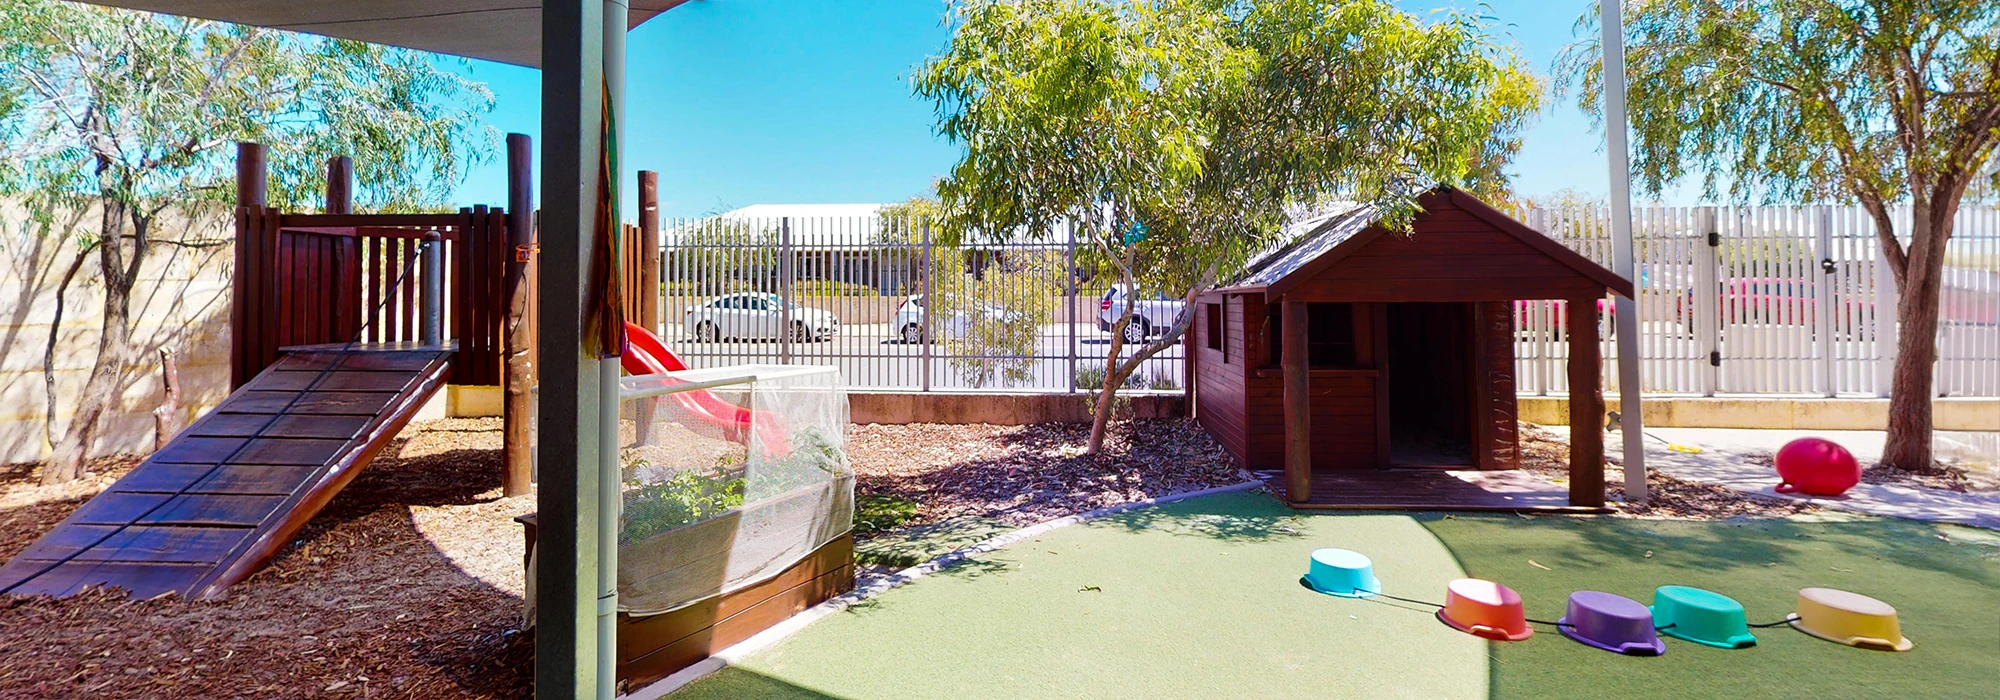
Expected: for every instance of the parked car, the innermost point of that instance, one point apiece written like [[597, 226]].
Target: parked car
[[757, 316], [1152, 314], [909, 320]]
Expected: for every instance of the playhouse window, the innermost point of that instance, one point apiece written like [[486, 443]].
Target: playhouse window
[[1329, 335], [1212, 331]]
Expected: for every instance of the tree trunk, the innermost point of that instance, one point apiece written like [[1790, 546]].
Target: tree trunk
[[1911, 385], [99, 393], [106, 383]]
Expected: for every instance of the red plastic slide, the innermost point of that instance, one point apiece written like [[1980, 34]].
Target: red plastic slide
[[645, 354]]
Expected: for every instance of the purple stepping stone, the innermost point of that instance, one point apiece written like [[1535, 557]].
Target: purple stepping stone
[[1613, 623]]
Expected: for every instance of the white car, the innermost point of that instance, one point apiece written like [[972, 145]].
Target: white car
[[757, 316], [1151, 314], [909, 320]]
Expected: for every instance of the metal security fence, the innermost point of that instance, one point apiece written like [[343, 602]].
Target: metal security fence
[[1797, 302], [894, 308], [1801, 303]]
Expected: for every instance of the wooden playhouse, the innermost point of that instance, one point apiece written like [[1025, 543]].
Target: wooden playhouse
[[1360, 367]]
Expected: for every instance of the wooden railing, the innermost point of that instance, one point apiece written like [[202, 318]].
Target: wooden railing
[[309, 279]]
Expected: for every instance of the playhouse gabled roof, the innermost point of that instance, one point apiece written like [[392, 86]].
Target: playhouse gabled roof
[[1315, 242]]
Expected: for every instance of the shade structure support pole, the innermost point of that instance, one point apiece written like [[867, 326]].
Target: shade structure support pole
[[1625, 310], [609, 498], [1586, 406], [566, 556], [1298, 404]]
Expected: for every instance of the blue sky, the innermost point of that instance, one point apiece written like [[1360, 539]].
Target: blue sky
[[738, 102]]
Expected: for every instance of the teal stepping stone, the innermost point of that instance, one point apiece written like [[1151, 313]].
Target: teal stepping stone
[[1702, 617]]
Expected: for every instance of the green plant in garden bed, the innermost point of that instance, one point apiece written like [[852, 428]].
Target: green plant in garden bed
[[686, 497], [691, 496]]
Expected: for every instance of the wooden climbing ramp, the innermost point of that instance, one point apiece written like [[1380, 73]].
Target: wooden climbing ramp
[[224, 496]]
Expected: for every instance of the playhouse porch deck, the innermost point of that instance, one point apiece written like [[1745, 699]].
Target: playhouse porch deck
[[1429, 489]]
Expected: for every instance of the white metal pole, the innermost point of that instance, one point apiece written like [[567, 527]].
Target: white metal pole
[[610, 482], [1626, 311]]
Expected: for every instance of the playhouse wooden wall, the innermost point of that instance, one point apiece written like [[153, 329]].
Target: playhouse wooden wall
[[1240, 397]]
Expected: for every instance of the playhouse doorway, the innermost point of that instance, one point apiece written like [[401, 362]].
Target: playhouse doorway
[[1430, 364]]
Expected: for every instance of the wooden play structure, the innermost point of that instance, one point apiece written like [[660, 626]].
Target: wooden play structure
[[343, 326], [1361, 368]]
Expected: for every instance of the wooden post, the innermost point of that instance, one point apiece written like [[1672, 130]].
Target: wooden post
[[250, 174], [340, 185], [519, 337], [1586, 406], [648, 254], [1298, 405], [245, 307]]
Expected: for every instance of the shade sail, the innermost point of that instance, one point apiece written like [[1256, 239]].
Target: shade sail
[[507, 31]]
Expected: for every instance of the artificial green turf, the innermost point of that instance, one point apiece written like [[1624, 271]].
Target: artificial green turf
[[1946, 591], [1196, 599], [916, 545]]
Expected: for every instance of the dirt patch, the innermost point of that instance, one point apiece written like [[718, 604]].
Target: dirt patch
[[1026, 474], [407, 585], [1667, 497]]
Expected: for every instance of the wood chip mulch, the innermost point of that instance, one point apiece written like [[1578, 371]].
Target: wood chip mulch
[[1667, 497], [1026, 474], [373, 599], [409, 584]]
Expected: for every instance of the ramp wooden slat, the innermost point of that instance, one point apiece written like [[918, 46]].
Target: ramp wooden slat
[[219, 500]]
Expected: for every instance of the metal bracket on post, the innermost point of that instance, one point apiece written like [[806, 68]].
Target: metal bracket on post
[[431, 333]]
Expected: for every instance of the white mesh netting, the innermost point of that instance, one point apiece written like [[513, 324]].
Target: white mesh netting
[[727, 485]]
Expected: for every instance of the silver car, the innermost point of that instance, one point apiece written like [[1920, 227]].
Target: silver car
[[757, 316]]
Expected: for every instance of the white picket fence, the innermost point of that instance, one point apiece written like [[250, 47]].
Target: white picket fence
[[1802, 302]]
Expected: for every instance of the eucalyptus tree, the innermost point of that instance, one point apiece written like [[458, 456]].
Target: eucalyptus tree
[[1172, 136], [1884, 103], [131, 114]]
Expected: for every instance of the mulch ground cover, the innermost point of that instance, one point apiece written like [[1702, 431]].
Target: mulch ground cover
[[1546, 453], [408, 585], [361, 604]]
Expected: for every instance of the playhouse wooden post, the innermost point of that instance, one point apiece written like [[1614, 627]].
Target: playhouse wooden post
[[246, 347], [340, 185], [1586, 406], [1298, 404], [519, 336]]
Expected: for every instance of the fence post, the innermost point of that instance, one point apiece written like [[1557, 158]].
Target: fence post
[[430, 334], [1823, 299], [1707, 306], [785, 273], [930, 305], [1070, 290]]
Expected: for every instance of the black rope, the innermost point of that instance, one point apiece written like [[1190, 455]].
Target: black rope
[[1779, 623], [259, 432]]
